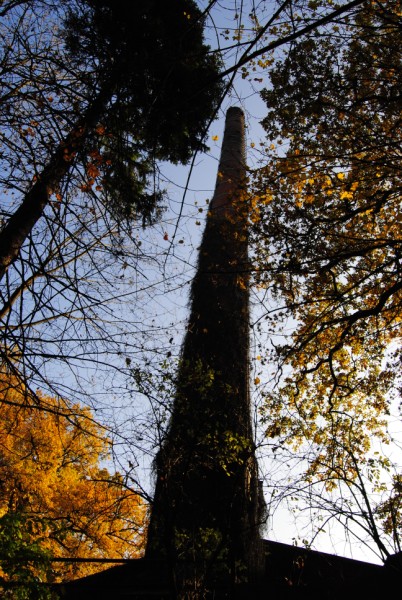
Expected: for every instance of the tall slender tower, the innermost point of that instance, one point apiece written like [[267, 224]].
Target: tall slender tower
[[207, 507]]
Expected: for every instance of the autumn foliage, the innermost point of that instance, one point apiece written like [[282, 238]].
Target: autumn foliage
[[327, 234], [54, 484]]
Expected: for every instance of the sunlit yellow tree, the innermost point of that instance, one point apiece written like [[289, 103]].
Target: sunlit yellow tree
[[55, 486]]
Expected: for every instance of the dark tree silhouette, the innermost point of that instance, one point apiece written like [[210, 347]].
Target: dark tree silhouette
[[150, 88]]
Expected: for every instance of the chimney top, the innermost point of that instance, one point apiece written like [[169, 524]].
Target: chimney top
[[235, 109]]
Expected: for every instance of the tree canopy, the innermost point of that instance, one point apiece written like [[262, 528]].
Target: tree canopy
[[328, 239], [145, 88]]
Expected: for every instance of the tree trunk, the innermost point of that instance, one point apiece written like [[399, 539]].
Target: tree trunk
[[21, 223]]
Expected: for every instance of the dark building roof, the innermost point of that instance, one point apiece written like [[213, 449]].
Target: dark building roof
[[290, 573]]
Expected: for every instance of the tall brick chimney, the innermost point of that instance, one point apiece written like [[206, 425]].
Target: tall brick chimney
[[207, 506]]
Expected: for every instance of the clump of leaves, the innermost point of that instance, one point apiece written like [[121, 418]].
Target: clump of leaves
[[24, 562]]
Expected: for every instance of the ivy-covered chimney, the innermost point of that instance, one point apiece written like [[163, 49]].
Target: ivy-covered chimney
[[207, 507]]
